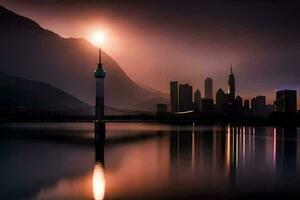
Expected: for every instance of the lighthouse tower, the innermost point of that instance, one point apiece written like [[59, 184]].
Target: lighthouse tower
[[100, 76]]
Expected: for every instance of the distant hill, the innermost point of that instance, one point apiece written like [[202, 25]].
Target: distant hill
[[35, 95], [29, 51]]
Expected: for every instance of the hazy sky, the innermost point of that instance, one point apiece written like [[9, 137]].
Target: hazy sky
[[157, 41]]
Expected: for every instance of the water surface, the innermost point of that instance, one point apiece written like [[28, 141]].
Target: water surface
[[147, 160]]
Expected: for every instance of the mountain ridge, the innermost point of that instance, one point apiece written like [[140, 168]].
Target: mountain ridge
[[32, 52], [36, 95]]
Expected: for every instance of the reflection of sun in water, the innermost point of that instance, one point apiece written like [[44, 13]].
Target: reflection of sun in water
[[98, 182]]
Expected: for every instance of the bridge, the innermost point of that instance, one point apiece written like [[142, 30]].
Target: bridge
[[112, 111], [108, 110]]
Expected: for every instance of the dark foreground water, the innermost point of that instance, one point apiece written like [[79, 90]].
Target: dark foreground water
[[144, 160]]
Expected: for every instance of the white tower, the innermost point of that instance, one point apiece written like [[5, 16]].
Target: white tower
[[100, 76]]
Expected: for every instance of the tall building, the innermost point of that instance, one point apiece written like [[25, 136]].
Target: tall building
[[238, 103], [220, 101], [207, 105], [185, 97], [258, 106], [247, 105], [197, 100], [286, 101], [208, 88], [174, 96], [231, 86]]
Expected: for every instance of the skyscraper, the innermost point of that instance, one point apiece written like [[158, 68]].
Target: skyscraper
[[231, 86], [286, 101], [238, 103], [247, 105], [258, 106], [174, 96], [207, 105], [208, 88], [220, 100], [185, 97], [197, 100]]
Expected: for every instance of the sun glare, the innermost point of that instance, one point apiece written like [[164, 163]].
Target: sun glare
[[98, 39]]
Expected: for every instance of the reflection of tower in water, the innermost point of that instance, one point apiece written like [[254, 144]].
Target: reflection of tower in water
[[99, 173], [99, 141]]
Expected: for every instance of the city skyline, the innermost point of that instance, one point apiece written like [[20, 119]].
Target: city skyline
[[269, 99], [183, 98]]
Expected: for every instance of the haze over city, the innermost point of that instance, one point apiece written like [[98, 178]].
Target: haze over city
[[155, 43]]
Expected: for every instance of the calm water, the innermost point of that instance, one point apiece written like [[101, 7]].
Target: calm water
[[144, 160]]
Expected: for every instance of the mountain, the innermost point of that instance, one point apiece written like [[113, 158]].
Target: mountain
[[29, 51], [35, 95]]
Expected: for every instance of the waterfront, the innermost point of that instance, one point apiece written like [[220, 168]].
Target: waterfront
[[148, 160]]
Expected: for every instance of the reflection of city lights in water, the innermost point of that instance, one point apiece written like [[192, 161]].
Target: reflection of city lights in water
[[98, 182]]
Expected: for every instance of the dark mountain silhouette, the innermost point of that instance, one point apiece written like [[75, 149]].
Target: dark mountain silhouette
[[36, 95], [29, 51]]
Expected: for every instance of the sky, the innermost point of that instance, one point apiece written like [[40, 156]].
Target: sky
[[162, 40]]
